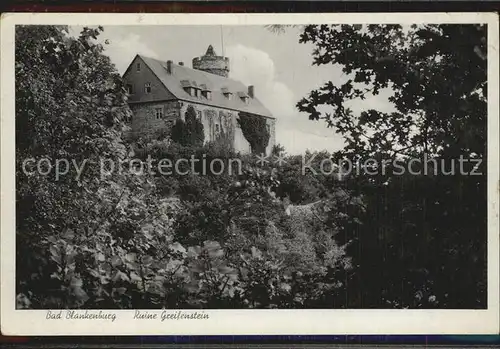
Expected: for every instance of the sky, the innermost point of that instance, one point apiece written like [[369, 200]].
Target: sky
[[277, 65]]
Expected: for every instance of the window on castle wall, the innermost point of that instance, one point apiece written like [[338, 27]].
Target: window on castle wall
[[147, 87], [159, 113]]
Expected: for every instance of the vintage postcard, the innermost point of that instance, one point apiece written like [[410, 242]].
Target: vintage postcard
[[210, 174]]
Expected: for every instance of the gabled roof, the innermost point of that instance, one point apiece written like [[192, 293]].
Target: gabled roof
[[182, 76]]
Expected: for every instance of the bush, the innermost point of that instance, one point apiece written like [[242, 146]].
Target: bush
[[143, 240], [188, 131]]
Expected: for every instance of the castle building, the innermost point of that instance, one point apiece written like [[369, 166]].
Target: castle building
[[160, 93]]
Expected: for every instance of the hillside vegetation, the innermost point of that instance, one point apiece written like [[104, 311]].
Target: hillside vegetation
[[268, 236]]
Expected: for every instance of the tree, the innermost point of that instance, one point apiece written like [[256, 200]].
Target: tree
[[69, 105], [414, 237], [422, 66], [115, 239], [278, 150], [190, 130], [73, 232], [255, 131], [179, 132]]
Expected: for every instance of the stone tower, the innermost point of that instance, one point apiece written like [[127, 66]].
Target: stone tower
[[212, 63]]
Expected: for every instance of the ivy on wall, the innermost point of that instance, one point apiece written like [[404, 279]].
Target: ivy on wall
[[255, 131], [226, 128], [211, 116], [225, 136]]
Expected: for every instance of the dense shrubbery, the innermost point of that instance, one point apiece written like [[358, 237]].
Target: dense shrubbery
[[188, 131], [255, 131], [262, 237], [422, 238], [144, 241]]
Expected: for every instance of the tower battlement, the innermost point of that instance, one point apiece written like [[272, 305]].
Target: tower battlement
[[211, 63]]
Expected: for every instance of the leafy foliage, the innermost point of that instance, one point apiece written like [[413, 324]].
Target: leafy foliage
[[277, 149], [255, 131], [190, 130], [434, 92], [257, 236], [140, 240], [411, 241]]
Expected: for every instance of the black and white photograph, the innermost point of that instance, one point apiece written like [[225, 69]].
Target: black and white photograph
[[173, 170]]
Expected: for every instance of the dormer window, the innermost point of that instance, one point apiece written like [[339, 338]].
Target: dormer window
[[205, 92], [190, 87], [147, 87], [244, 97], [228, 94]]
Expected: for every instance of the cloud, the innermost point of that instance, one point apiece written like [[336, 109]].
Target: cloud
[[122, 50], [119, 47], [252, 67], [297, 141], [293, 130], [255, 67]]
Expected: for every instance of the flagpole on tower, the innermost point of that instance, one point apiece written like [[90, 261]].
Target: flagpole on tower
[[222, 40]]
